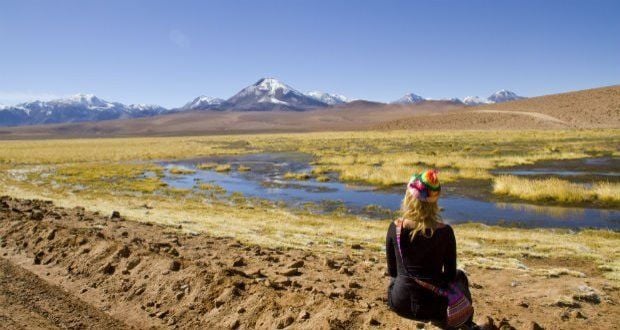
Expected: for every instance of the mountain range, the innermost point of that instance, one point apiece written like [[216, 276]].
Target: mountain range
[[267, 94]]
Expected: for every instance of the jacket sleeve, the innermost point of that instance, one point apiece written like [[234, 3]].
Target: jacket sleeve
[[390, 254], [449, 265]]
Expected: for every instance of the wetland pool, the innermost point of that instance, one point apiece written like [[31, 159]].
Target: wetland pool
[[264, 179]]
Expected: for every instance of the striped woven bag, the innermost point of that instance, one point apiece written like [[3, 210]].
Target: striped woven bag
[[459, 307]]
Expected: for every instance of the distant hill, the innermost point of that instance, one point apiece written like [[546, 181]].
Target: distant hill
[[592, 108], [356, 115], [598, 107], [77, 108]]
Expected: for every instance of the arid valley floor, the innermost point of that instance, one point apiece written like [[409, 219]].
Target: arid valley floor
[[94, 235]]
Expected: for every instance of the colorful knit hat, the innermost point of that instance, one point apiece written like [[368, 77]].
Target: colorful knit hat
[[425, 186]]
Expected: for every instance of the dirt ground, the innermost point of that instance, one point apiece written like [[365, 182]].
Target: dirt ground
[[72, 268]]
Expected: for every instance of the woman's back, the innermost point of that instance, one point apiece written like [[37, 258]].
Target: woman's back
[[427, 257]]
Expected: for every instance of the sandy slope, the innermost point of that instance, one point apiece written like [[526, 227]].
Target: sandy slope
[[151, 276], [29, 302], [599, 107]]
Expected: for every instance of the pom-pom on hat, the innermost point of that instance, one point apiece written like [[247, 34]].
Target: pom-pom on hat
[[425, 186]]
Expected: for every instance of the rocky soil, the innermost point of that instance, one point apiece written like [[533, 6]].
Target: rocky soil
[[72, 268]]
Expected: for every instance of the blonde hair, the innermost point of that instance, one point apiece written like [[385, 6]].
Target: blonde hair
[[424, 215]]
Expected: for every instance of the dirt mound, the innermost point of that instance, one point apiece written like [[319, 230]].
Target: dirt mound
[[151, 276]]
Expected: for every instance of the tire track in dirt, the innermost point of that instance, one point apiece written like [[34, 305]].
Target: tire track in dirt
[[537, 115]]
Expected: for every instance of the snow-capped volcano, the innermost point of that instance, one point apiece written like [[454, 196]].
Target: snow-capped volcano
[[475, 100], [203, 103], [76, 108], [328, 98], [271, 94], [504, 96], [89, 101], [409, 98], [497, 97]]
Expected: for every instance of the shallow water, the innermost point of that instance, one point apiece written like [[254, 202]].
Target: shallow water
[[264, 180], [588, 169]]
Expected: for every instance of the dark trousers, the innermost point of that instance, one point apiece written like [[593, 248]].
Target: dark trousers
[[408, 299]]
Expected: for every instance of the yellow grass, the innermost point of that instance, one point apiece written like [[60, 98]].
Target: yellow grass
[[222, 168], [207, 166], [556, 190], [181, 171], [242, 168], [296, 176]]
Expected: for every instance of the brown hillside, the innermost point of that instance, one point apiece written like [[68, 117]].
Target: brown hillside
[[593, 108]]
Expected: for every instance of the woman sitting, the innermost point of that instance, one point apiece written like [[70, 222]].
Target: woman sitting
[[421, 257]]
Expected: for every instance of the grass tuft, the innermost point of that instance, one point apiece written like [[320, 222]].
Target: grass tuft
[[553, 189]]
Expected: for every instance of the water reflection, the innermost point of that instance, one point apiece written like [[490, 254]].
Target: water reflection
[[265, 180]]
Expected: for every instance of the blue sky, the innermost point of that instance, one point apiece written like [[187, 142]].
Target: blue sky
[[168, 52]]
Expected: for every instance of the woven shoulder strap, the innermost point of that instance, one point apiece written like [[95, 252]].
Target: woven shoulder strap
[[426, 285]]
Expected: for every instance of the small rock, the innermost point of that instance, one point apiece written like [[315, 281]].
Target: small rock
[[420, 325], [354, 285], [238, 262], [345, 270], [536, 326], [303, 315], [234, 324], [115, 215], [108, 269], [253, 273], [283, 281], [285, 322], [578, 314], [564, 302], [329, 263], [356, 246], [175, 265], [226, 296], [51, 235], [36, 215], [131, 264], [524, 304], [291, 272], [124, 252], [589, 297], [162, 314], [241, 310], [296, 264], [373, 322]]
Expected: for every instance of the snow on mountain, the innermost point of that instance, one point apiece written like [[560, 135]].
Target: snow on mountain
[[328, 98], [203, 103], [474, 100], [409, 98], [497, 97], [76, 108], [271, 94], [89, 101], [504, 96]]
